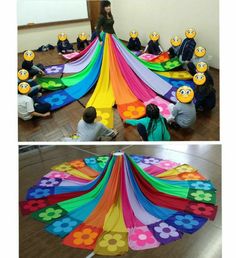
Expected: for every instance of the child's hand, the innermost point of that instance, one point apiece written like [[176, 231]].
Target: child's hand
[[101, 43]]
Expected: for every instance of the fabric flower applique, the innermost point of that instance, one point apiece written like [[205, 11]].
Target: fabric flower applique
[[112, 242], [141, 239], [49, 182], [185, 168], [64, 167], [201, 196], [51, 85], [201, 185], [167, 164], [171, 64], [65, 225], [77, 163], [137, 158], [56, 99], [201, 209], [186, 221], [151, 161], [134, 112], [85, 237], [103, 117], [90, 161], [50, 213], [34, 205], [165, 231], [190, 176], [39, 193], [54, 69], [58, 175]]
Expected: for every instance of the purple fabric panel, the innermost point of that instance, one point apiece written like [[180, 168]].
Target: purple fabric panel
[[141, 214], [54, 69], [147, 76], [71, 183], [81, 63]]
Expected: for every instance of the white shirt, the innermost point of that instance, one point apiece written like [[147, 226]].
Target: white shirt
[[25, 107]]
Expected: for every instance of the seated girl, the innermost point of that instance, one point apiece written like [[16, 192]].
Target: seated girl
[[63, 44], [82, 41], [183, 113], [134, 43], [29, 65], [28, 104], [153, 47], [152, 127]]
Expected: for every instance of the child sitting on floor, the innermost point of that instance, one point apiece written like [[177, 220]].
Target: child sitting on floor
[[134, 43], [175, 46], [183, 113], [89, 130], [205, 93], [63, 44], [153, 126], [28, 104], [153, 47], [82, 41], [29, 65]]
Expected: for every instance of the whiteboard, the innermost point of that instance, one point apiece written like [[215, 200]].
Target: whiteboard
[[43, 11]]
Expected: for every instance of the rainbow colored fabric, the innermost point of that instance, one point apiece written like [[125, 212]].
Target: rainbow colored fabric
[[120, 77], [109, 204]]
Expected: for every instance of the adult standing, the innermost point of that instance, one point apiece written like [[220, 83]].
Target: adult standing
[[105, 22]]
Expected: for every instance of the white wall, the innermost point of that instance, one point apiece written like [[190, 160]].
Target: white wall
[[170, 18], [36, 37]]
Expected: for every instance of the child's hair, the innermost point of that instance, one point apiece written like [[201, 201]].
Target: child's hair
[[102, 8], [153, 112], [89, 115]]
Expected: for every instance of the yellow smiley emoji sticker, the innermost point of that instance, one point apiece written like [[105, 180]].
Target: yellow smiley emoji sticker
[[133, 34], [190, 33], [83, 36], [185, 94], [199, 78], [176, 41], [29, 55], [62, 36], [23, 75], [154, 36], [24, 87], [201, 67], [199, 51]]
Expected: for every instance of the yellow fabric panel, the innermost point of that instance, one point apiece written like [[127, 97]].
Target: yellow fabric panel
[[183, 75]]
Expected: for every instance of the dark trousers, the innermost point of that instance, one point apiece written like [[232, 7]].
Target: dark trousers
[[142, 132], [42, 107]]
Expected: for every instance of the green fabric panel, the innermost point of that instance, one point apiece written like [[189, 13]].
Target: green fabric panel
[[162, 186], [60, 83], [76, 78], [48, 214], [70, 205], [197, 195]]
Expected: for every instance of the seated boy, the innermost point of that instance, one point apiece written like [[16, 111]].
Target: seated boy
[[29, 106], [183, 113], [89, 130]]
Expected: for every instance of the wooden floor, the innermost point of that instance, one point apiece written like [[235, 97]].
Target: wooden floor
[[34, 242], [63, 122]]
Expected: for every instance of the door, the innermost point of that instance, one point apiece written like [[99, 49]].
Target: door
[[93, 12]]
